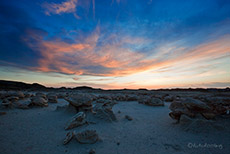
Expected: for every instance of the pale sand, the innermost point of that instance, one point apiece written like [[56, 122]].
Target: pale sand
[[152, 131]]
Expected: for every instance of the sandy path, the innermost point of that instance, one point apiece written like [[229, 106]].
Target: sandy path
[[41, 130]]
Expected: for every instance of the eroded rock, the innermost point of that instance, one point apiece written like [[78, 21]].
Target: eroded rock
[[78, 100], [39, 101], [151, 101], [52, 98], [77, 120], [104, 111], [191, 108], [22, 104], [39, 94], [85, 137]]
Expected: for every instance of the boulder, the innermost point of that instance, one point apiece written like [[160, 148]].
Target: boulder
[[169, 98], [190, 107], [52, 98], [3, 94], [7, 102], [39, 94], [22, 104], [78, 100], [39, 101], [61, 95], [18, 94], [132, 97], [87, 137], [27, 95], [104, 111], [151, 101], [196, 105]]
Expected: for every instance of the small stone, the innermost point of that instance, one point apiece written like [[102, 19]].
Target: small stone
[[69, 137], [92, 151], [128, 117]]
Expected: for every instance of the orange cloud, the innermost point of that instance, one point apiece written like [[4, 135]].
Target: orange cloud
[[59, 56], [113, 58]]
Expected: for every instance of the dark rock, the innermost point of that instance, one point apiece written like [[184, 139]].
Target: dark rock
[[128, 117]]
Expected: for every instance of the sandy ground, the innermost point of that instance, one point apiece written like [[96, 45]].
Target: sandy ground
[[152, 131]]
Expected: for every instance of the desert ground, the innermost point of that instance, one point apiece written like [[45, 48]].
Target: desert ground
[[114, 122]]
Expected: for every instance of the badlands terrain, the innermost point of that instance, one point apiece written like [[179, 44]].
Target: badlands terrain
[[35, 119]]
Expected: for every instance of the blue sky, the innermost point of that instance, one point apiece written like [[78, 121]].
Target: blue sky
[[116, 43]]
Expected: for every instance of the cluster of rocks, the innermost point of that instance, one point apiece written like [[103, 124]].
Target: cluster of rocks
[[208, 107], [24, 100], [100, 107], [85, 105]]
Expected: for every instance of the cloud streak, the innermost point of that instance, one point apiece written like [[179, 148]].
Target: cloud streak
[[116, 58], [68, 6], [110, 59]]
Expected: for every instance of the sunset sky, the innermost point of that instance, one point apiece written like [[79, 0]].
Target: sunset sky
[[115, 44]]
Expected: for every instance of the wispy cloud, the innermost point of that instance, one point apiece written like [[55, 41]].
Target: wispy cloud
[[68, 6], [109, 59]]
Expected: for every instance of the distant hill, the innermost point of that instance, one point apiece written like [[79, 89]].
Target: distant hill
[[14, 85]]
